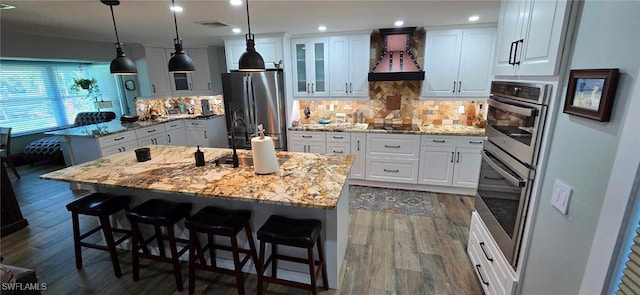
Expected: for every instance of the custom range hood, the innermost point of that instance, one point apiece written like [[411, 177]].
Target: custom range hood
[[396, 62]]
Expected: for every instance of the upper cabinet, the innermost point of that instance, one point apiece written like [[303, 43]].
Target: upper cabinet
[[153, 73], [310, 67], [201, 77], [349, 66], [531, 37], [458, 63], [270, 48]]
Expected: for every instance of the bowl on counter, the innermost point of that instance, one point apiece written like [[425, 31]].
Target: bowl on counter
[[128, 119]]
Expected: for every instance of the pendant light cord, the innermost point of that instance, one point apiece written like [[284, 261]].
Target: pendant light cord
[[114, 24], [175, 22], [248, 18]]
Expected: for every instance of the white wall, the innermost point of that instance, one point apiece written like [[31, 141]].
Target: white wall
[[582, 152]]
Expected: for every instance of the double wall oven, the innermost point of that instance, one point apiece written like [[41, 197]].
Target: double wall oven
[[514, 129]]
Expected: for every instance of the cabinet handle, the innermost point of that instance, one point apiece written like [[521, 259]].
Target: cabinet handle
[[389, 170], [392, 146], [358, 144], [119, 150], [152, 130], [195, 123], [338, 152], [205, 134], [174, 125], [515, 56], [438, 140], [481, 276], [511, 53], [124, 149], [307, 136], [459, 86], [209, 85], [338, 137], [458, 160], [313, 86], [475, 142], [485, 252], [169, 136], [308, 84], [350, 87], [190, 88], [153, 87], [305, 148], [346, 87], [119, 138], [452, 156], [454, 87]]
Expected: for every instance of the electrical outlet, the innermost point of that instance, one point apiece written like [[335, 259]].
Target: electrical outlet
[[331, 107], [560, 196], [461, 110]]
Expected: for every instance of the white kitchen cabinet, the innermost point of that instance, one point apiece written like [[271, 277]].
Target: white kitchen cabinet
[[458, 63], [270, 48], [310, 67], [349, 66], [436, 165], [531, 36], [158, 139], [127, 146], [207, 133], [358, 148], [307, 142], [180, 83], [176, 137], [200, 78], [466, 171], [392, 157], [153, 73], [338, 143], [450, 161]]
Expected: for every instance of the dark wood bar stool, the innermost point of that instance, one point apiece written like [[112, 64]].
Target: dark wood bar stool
[[300, 233], [158, 213], [102, 206], [214, 221]]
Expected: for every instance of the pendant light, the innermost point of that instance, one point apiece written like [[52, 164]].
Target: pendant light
[[179, 62], [250, 60], [121, 65]]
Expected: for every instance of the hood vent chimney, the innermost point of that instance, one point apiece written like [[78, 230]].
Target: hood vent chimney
[[397, 63]]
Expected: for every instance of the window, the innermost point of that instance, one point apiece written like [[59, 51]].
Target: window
[[36, 96]]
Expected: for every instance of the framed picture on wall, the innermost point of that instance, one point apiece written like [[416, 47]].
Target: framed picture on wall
[[590, 93]]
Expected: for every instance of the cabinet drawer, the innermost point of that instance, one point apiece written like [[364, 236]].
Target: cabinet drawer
[[338, 148], [121, 147], [393, 146], [339, 137], [194, 124], [308, 136], [150, 131], [431, 140], [469, 142], [402, 171], [118, 138], [175, 125], [483, 269]]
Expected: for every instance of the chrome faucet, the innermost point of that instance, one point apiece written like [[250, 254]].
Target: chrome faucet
[[234, 124]]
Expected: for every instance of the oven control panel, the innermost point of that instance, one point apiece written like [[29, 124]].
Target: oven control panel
[[536, 93]]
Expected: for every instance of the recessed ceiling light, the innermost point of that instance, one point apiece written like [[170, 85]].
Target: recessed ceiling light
[[236, 30], [322, 28], [398, 23], [176, 8], [6, 6], [474, 18], [235, 2]]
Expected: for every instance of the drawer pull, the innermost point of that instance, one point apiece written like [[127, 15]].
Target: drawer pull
[[394, 171], [174, 125], [392, 146], [452, 156], [338, 137], [438, 140], [485, 252], [119, 138], [481, 276], [152, 130], [307, 136], [124, 149], [195, 123], [338, 152], [120, 150], [475, 142]]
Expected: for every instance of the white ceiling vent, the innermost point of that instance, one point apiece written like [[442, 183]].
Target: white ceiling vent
[[213, 24]]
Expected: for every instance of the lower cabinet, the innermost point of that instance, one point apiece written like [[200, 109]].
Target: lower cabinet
[[176, 137], [307, 142], [397, 170], [450, 161], [207, 133], [127, 146], [392, 158], [358, 144]]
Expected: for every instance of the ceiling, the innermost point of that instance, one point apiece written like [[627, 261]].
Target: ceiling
[[151, 21]]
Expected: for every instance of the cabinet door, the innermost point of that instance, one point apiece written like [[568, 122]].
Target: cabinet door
[[436, 165], [339, 66], [338, 148], [157, 67], [442, 58], [467, 167], [474, 74], [200, 78], [316, 147], [298, 147], [233, 49], [197, 136], [359, 48], [128, 146], [540, 52], [216, 132], [301, 69], [270, 49], [180, 83], [509, 31], [358, 141], [319, 59], [176, 137]]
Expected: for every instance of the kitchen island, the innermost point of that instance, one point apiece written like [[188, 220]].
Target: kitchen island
[[307, 186]]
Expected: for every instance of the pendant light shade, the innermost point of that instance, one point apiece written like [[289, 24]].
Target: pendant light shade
[[121, 65], [250, 60], [180, 62]]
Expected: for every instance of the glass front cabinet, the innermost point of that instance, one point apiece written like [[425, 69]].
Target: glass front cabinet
[[310, 67]]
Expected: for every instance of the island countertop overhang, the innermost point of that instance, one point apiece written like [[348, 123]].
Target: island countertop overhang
[[304, 180]]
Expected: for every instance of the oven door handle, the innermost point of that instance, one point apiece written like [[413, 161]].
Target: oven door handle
[[515, 180], [513, 109]]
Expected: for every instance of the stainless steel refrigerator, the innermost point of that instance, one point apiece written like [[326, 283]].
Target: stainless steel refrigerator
[[257, 98]]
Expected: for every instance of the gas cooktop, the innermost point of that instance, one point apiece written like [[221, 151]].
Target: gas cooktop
[[394, 127]]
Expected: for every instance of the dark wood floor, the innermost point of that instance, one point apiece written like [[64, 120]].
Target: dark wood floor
[[387, 253]]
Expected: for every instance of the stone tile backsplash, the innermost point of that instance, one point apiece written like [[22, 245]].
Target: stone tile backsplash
[[144, 106]]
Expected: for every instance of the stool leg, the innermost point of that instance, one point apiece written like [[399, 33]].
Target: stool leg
[[108, 236], [136, 237], [159, 240], [312, 271], [237, 266], [174, 258], [323, 262], [192, 260], [260, 268], [200, 254], [252, 245], [76, 239], [212, 250], [274, 260]]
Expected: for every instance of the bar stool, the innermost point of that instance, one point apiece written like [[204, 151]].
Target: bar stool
[[215, 221], [102, 206], [158, 213], [300, 233]]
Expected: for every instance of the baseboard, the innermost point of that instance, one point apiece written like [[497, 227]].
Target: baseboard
[[416, 187]]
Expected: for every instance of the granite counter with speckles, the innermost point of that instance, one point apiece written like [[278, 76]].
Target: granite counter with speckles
[[456, 130], [304, 180]]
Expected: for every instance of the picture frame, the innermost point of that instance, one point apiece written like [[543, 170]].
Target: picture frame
[[129, 85], [590, 93]]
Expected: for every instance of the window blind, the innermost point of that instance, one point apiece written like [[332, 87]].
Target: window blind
[[37, 96], [630, 282]]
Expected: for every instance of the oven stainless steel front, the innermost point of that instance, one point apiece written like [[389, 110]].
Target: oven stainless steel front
[[514, 129]]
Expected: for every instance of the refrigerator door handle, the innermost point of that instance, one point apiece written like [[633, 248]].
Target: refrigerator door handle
[[252, 116]]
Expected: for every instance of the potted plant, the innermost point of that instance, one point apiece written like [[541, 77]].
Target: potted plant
[[90, 85]]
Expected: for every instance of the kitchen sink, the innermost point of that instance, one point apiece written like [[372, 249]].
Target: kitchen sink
[[243, 160]]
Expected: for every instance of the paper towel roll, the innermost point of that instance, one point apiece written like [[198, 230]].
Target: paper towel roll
[[264, 155]]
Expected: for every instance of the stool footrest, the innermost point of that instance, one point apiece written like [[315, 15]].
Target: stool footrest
[[94, 246], [286, 282], [82, 236]]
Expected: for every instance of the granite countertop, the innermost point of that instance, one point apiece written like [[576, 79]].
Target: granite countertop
[[115, 126], [304, 180], [459, 130]]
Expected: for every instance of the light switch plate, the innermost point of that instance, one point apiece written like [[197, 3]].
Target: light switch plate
[[331, 107], [461, 109], [560, 196]]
